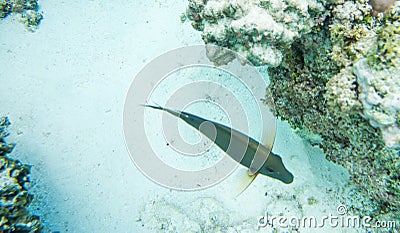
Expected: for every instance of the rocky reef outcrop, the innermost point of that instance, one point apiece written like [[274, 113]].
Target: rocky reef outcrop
[[258, 30], [14, 195], [27, 11], [334, 67]]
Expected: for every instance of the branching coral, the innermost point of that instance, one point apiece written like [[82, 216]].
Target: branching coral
[[14, 196]]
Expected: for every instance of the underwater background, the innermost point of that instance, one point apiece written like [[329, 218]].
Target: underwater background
[[65, 70]]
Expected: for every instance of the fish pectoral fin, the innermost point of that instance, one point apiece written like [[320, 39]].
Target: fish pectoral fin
[[246, 178]]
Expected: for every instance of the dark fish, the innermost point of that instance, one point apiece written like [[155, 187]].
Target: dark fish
[[242, 148]]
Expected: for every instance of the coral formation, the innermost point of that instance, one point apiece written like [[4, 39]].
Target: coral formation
[[15, 199], [338, 79], [379, 93], [26, 9], [258, 30], [348, 93]]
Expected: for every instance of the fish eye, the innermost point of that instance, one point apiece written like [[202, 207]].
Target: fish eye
[[269, 169]]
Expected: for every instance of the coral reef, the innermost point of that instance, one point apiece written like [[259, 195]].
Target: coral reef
[[337, 82], [26, 9], [337, 94], [374, 85], [380, 97], [351, 98], [258, 30], [15, 199]]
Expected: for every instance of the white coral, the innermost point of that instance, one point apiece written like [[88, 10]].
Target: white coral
[[380, 96], [341, 90], [269, 25]]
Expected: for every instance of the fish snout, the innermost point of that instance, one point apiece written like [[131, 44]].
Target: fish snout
[[276, 169]]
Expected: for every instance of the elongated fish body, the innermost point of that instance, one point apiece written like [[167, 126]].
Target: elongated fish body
[[239, 146]]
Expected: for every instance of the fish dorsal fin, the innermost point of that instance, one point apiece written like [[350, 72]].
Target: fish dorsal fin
[[267, 140], [269, 128], [245, 179]]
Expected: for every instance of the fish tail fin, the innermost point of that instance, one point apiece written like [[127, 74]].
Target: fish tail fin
[[156, 106], [246, 179]]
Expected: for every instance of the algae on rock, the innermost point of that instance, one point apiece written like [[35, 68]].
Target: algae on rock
[[14, 196], [26, 9], [258, 30], [352, 104], [325, 79], [380, 96]]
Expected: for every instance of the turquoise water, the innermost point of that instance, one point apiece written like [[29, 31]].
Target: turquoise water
[[63, 88]]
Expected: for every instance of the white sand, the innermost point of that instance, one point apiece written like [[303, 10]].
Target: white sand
[[63, 88]]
